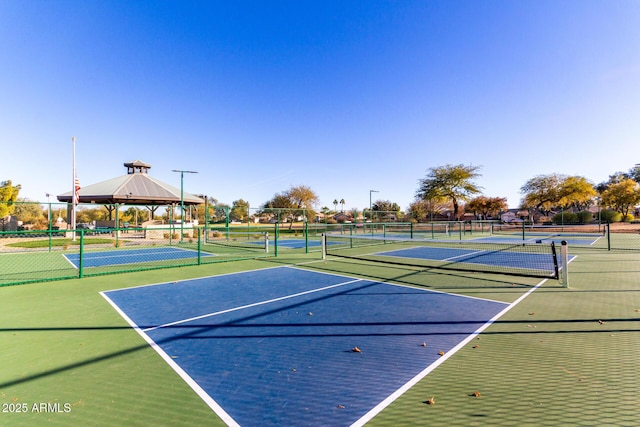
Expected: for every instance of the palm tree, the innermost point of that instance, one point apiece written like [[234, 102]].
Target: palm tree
[[335, 205], [342, 204]]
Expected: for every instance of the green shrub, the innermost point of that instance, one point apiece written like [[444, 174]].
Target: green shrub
[[628, 218], [585, 217], [565, 218], [610, 216]]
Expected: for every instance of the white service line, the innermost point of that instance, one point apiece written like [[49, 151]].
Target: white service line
[[250, 305]]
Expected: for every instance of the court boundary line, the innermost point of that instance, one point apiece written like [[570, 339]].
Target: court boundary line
[[458, 258], [411, 287], [255, 304], [209, 401], [228, 419], [412, 382], [193, 278], [159, 249]]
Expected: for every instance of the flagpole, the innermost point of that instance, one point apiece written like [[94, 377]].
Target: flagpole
[[74, 201]]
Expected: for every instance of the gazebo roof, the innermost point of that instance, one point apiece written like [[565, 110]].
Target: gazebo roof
[[135, 188]]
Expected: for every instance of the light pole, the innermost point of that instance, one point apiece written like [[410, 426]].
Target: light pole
[[371, 205], [598, 199], [182, 172], [49, 214], [74, 198]]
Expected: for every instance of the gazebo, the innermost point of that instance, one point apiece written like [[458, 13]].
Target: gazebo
[[137, 187]]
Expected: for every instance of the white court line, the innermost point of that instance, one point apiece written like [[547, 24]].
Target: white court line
[[255, 304], [382, 405], [139, 253], [181, 372]]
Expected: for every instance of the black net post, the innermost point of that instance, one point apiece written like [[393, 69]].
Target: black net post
[[564, 252]]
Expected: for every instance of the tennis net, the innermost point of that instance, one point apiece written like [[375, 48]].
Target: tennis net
[[531, 231], [521, 259], [248, 240]]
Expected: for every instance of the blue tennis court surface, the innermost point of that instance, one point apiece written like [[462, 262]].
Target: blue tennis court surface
[[130, 256], [273, 347]]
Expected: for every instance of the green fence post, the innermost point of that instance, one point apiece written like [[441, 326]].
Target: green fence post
[[170, 225], [523, 232], [350, 237], [608, 231], [80, 261], [306, 237], [199, 246]]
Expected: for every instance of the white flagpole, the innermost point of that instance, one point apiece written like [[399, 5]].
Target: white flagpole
[[73, 191]]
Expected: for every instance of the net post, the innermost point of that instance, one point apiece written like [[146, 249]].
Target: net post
[[306, 237], [266, 242], [564, 256], [81, 254], [199, 236], [323, 239], [607, 230], [276, 238], [523, 232]]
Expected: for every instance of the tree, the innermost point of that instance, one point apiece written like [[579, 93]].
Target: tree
[[486, 206], [30, 212], [303, 199], [634, 173], [622, 196], [298, 200], [386, 208], [342, 202], [554, 191], [92, 214], [451, 182], [335, 205], [542, 192], [239, 210], [8, 197], [577, 192]]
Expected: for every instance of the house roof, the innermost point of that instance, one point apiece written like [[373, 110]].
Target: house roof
[[135, 188]]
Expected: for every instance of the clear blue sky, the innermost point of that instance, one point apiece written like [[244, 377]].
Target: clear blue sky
[[341, 96]]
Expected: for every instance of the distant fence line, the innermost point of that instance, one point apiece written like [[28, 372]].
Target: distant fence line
[[44, 255]]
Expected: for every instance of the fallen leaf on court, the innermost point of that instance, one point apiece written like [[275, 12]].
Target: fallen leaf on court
[[441, 353], [356, 350], [476, 393], [431, 401]]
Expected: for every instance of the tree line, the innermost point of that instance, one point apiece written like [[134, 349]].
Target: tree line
[[446, 191]]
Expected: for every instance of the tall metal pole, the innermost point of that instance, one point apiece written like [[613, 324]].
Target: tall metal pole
[[74, 200], [49, 215], [182, 172]]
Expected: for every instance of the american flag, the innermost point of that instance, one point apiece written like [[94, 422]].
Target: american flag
[[76, 189]]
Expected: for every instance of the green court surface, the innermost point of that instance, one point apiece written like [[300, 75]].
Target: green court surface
[[560, 356]]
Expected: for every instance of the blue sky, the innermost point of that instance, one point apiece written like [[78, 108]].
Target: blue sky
[[341, 96]]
